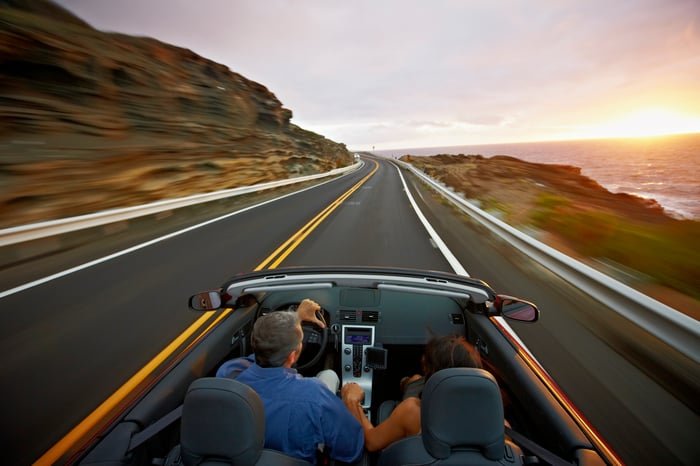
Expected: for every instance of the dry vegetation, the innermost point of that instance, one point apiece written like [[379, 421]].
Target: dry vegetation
[[578, 216]]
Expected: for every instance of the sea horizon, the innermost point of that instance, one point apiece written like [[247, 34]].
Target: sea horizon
[[543, 141], [659, 167]]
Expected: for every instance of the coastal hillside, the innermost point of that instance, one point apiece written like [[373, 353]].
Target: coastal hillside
[[513, 186], [629, 237], [92, 120]]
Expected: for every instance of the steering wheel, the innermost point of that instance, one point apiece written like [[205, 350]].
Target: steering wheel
[[315, 339]]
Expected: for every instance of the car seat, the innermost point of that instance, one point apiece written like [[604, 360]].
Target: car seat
[[223, 422], [461, 423]]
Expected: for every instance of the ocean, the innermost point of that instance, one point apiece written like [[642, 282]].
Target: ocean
[[663, 168]]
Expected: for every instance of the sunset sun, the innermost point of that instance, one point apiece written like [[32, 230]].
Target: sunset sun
[[648, 122]]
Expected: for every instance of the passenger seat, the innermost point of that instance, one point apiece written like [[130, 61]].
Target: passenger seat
[[461, 423]]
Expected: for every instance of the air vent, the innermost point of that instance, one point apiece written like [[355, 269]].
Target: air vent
[[457, 319], [370, 316], [348, 316]]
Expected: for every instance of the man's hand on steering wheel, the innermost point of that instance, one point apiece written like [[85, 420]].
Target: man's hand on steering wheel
[[310, 311]]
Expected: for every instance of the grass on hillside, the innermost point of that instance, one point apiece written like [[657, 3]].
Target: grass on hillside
[[662, 252]]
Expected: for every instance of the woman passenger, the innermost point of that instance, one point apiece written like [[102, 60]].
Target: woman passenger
[[440, 353]]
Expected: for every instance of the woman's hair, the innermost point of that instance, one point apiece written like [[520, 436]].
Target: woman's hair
[[275, 335], [449, 351]]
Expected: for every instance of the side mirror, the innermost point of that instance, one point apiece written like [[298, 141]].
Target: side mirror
[[515, 309], [206, 301]]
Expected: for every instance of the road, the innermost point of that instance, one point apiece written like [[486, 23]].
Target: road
[[69, 343]]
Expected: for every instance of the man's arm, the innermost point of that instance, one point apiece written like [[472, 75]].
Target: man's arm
[[310, 311], [403, 421], [342, 435]]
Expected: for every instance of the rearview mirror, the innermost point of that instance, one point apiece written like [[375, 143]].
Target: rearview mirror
[[515, 309], [206, 301]]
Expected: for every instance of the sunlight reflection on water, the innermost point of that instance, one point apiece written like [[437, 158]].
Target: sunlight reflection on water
[[661, 168]]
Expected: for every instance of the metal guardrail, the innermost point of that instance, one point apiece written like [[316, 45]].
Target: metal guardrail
[[671, 326], [675, 328], [32, 231]]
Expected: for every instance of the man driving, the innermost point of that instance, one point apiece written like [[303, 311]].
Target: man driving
[[301, 413]]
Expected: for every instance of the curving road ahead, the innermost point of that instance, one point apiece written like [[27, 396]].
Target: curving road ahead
[[69, 343]]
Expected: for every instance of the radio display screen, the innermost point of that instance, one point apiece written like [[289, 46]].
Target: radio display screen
[[358, 336]]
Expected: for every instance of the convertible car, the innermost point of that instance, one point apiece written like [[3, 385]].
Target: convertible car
[[378, 321]]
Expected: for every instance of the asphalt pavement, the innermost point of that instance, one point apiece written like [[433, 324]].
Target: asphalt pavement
[[69, 343]]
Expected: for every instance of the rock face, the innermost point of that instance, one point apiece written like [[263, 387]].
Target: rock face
[[92, 120], [515, 186]]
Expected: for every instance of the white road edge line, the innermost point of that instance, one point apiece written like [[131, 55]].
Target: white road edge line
[[451, 259], [458, 267], [86, 265]]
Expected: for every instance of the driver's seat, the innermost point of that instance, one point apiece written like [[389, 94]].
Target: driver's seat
[[461, 424], [223, 422]]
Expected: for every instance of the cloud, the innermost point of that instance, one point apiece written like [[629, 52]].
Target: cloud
[[490, 71]]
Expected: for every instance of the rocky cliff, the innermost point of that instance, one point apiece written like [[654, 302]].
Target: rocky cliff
[[515, 187], [92, 120], [629, 237]]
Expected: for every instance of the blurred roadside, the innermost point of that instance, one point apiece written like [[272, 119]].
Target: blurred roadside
[[626, 237], [91, 121]]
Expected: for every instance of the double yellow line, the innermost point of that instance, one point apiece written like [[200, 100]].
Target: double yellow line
[[56, 452], [275, 259]]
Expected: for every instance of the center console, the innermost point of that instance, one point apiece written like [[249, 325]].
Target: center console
[[359, 358]]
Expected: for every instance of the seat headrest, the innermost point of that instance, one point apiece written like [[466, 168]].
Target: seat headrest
[[461, 408], [222, 420]]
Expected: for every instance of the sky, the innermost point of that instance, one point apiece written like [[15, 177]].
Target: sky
[[389, 74]]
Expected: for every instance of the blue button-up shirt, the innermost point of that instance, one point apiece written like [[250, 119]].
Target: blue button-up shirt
[[301, 413]]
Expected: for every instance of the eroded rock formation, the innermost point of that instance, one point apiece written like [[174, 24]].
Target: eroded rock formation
[[92, 120]]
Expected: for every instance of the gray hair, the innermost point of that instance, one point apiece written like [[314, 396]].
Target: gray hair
[[275, 335]]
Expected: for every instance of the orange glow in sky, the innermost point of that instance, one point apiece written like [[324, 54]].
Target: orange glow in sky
[[479, 72], [642, 123]]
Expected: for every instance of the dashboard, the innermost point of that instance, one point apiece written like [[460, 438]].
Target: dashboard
[[363, 321], [359, 358]]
